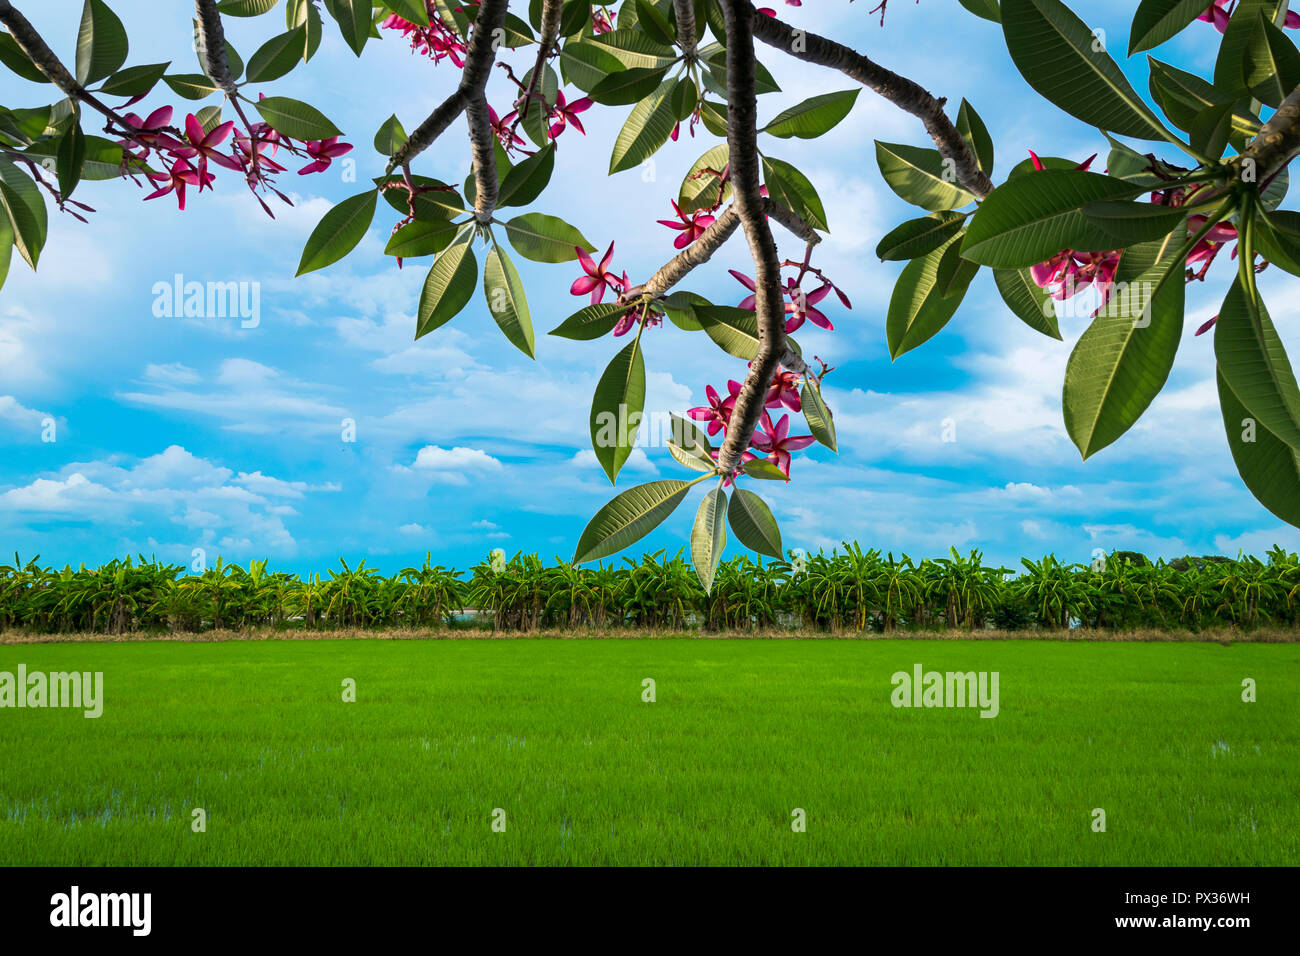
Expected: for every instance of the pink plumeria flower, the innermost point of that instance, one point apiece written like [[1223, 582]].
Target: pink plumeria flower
[[504, 129], [801, 307], [204, 145], [565, 113], [151, 130], [784, 390], [718, 412], [180, 175], [749, 301], [777, 441], [691, 227], [323, 151], [597, 278], [602, 21]]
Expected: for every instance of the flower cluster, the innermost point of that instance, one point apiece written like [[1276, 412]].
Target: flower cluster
[[800, 306], [187, 157], [437, 41], [773, 439], [1220, 13]]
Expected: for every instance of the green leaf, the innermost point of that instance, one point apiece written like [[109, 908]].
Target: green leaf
[[955, 274], [412, 11], [680, 309], [421, 237], [25, 210], [1028, 219], [653, 23], [792, 189], [976, 134], [71, 158], [628, 518], [353, 18], [691, 447], [524, 183], [921, 176], [338, 232], [987, 9], [616, 409], [1123, 359], [814, 116], [633, 48], [441, 203], [916, 237], [763, 469], [390, 136], [1230, 65], [1159, 20], [1061, 58], [1254, 363], [1031, 304], [134, 80], [817, 415], [449, 285], [1133, 222], [584, 64], [714, 56], [703, 186], [101, 43], [1272, 64], [277, 56], [709, 535], [735, 331], [751, 520], [574, 17], [506, 301], [590, 322], [246, 8], [1268, 466], [1184, 97], [295, 119], [545, 238], [1277, 239], [18, 62], [191, 86], [918, 309], [627, 86], [647, 128], [6, 249]]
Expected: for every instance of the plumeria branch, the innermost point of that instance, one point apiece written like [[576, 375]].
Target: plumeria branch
[[550, 33], [211, 37], [686, 30], [769, 306], [1278, 140], [473, 81], [902, 92]]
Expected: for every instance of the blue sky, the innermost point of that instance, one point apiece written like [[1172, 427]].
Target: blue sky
[[174, 433]]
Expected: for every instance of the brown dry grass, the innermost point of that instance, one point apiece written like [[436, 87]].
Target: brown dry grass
[[1223, 635]]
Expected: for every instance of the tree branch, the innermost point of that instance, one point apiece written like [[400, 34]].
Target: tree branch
[[211, 37], [483, 150], [550, 32], [686, 32], [902, 92], [1278, 140], [742, 141], [479, 56]]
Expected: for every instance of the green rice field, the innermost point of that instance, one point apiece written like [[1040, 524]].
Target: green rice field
[[741, 735]]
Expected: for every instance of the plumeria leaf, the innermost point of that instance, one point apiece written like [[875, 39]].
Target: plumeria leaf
[[6, 248], [633, 48], [792, 189], [101, 43], [421, 237], [920, 176], [1184, 96], [590, 322], [627, 86], [438, 203], [134, 80], [918, 309], [653, 23], [752, 521], [545, 238], [714, 116], [1159, 20], [506, 301], [628, 518], [1029, 303], [296, 119], [1254, 363], [680, 309], [246, 8], [412, 11], [691, 446], [71, 157], [353, 18], [574, 17], [1272, 63], [584, 64], [1123, 359], [616, 409], [1133, 222], [735, 331], [709, 535], [191, 86], [390, 137], [1230, 65], [277, 56], [303, 13], [1277, 239], [955, 274], [449, 285], [976, 134], [916, 237], [1028, 219], [700, 187], [647, 128], [1064, 61], [987, 9], [765, 470], [18, 62], [1269, 467], [714, 56], [814, 116], [525, 182], [536, 122], [21, 203], [817, 414], [338, 232]]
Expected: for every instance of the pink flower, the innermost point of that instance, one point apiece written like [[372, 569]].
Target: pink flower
[[602, 22], [180, 175], [800, 307], [1069, 272], [503, 127], [597, 278], [691, 227], [778, 442], [565, 113], [784, 391], [437, 40], [718, 412], [629, 319], [323, 151], [204, 145], [151, 130]]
